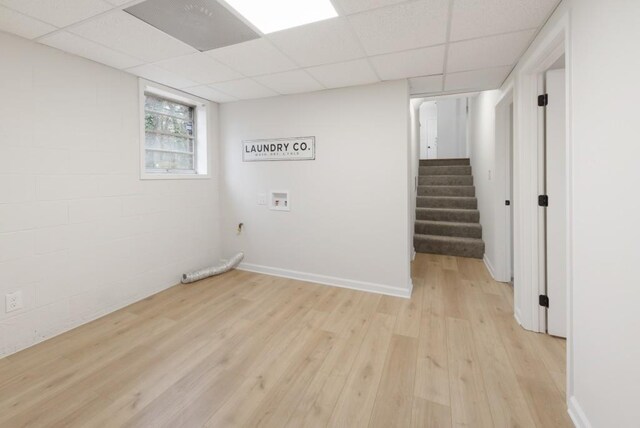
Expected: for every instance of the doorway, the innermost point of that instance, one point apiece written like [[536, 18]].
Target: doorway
[[429, 130], [553, 203]]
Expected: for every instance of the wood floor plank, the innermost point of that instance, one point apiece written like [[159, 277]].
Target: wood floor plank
[[394, 401], [432, 370], [358, 395], [428, 414], [469, 401]]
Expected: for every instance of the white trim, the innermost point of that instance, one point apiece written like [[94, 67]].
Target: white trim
[[203, 140], [330, 280], [503, 186], [489, 266], [552, 41], [577, 415]]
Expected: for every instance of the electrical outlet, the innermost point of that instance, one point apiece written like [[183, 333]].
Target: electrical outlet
[[262, 199], [14, 301]]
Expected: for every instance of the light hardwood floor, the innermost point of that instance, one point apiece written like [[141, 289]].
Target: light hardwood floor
[[245, 349]]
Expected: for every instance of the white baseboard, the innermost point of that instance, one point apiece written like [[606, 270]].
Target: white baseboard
[[489, 266], [577, 415], [330, 280], [516, 315]]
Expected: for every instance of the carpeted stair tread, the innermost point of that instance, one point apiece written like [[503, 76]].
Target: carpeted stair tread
[[447, 228], [445, 180], [449, 245], [441, 162], [448, 214], [445, 170], [463, 202], [469, 191]]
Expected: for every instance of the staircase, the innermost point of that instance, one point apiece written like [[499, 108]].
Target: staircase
[[447, 216]]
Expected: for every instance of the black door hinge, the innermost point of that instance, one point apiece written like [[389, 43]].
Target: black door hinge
[[543, 300], [507, 203], [543, 100], [543, 200]]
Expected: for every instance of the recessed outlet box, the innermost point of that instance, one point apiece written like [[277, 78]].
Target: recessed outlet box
[[279, 200], [13, 301]]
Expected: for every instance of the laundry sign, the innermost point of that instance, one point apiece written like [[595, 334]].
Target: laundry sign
[[279, 149]]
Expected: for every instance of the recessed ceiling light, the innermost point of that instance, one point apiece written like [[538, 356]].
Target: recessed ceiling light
[[274, 15]]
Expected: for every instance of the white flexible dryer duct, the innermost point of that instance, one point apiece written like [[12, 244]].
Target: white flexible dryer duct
[[232, 263]]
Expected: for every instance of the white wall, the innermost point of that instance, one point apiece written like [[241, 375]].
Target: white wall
[[604, 324], [349, 222], [482, 154], [606, 238], [80, 234]]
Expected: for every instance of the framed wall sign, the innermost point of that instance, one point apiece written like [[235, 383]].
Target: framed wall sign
[[279, 149]]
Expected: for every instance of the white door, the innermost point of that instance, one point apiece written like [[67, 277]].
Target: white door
[[557, 209], [431, 125]]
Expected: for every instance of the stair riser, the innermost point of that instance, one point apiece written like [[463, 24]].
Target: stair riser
[[446, 180], [468, 191], [446, 215], [474, 250], [445, 170], [441, 162], [447, 202], [448, 230]]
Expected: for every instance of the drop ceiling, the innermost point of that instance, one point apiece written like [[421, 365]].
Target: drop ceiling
[[439, 45]]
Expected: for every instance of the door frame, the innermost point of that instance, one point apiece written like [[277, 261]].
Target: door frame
[[553, 42], [503, 185]]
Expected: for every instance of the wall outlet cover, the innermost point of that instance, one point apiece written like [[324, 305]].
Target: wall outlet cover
[[13, 301]]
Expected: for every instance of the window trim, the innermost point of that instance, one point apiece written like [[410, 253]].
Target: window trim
[[201, 139]]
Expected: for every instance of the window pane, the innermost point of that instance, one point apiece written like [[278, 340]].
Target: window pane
[[168, 142], [171, 108], [166, 161], [168, 125]]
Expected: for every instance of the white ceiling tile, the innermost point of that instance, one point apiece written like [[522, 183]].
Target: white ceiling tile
[[351, 73], [160, 75], [319, 43], [350, 7], [253, 58], [290, 82], [58, 12], [200, 68], [120, 2], [488, 52], [426, 84], [403, 26], [490, 78], [208, 93], [85, 48], [477, 18], [413, 63], [22, 25], [127, 34], [244, 89]]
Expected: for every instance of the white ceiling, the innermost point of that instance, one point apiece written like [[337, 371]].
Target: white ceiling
[[439, 45]]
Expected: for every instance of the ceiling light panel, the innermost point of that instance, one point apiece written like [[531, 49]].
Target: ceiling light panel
[[202, 24], [275, 15]]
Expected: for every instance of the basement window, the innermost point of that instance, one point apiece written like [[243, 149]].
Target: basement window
[[173, 135]]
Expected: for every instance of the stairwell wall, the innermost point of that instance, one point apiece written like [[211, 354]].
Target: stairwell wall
[[482, 154], [349, 223]]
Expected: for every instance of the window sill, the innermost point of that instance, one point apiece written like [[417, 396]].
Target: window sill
[[168, 176]]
